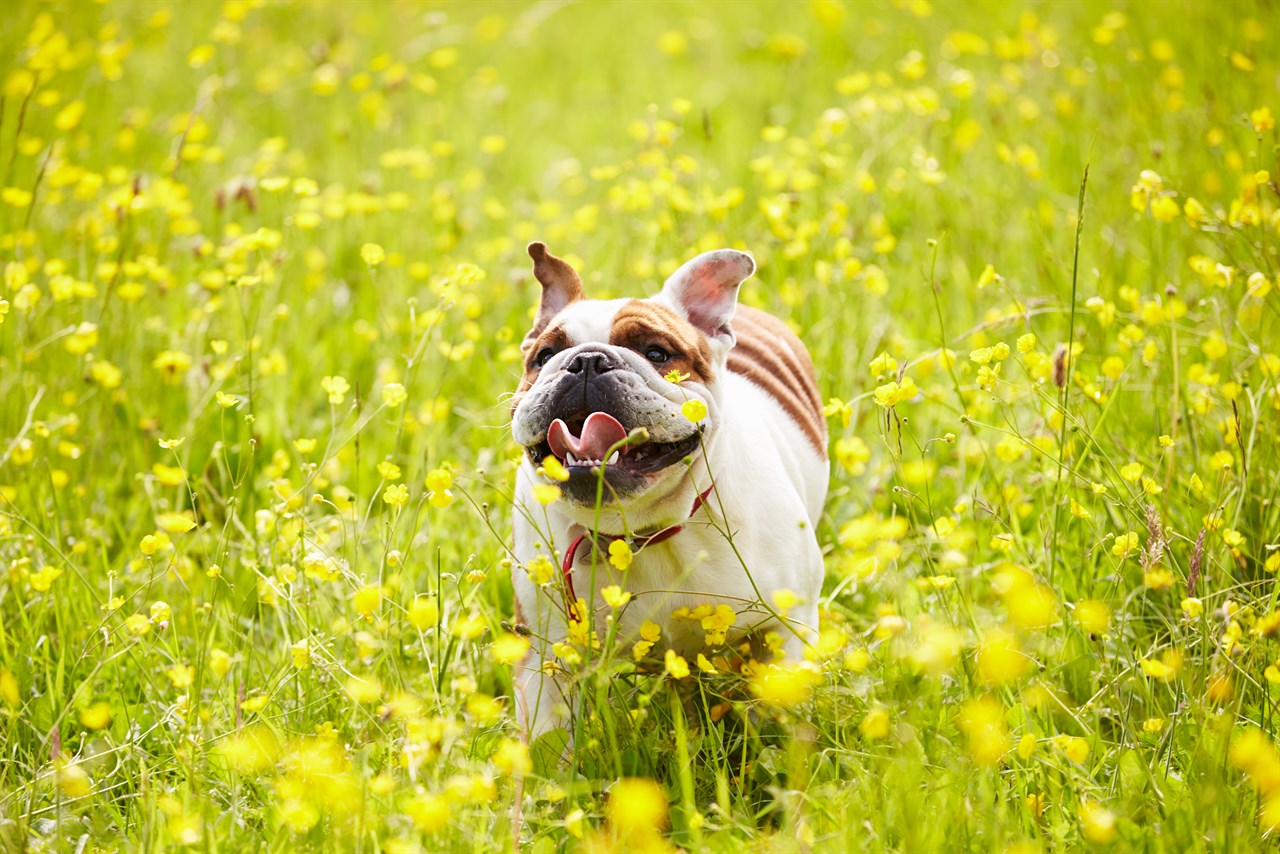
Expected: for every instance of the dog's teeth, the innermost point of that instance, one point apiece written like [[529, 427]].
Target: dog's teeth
[[613, 458], [570, 458]]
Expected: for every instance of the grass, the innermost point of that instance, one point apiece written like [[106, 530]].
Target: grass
[[263, 264]]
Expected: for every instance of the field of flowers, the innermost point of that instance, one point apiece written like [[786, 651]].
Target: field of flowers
[[264, 285]]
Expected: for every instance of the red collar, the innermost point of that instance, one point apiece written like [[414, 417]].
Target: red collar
[[638, 542]]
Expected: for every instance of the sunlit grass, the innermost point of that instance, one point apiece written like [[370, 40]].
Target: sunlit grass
[[264, 285]]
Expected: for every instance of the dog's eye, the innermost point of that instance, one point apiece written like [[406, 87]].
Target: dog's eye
[[546, 354], [657, 355]]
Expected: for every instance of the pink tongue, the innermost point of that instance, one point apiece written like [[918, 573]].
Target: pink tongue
[[600, 432]]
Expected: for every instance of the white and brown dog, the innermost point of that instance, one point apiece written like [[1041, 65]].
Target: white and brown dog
[[753, 470]]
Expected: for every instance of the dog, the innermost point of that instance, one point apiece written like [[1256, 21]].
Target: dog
[[718, 511]]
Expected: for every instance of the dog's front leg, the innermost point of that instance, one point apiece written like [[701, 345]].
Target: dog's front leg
[[541, 704]]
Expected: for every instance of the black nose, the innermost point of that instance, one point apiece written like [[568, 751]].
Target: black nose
[[590, 362]]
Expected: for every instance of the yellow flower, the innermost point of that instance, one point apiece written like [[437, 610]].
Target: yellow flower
[[718, 623], [637, 808], [150, 544], [882, 365], [1124, 545], [508, 648], [512, 758], [372, 254], [336, 387], [367, 599], [1164, 209], [982, 720], [837, 408], [1097, 823], [1093, 616], [256, 703], [853, 454], [1000, 660], [439, 481], [1157, 670], [394, 394], [784, 686], [541, 570], [1075, 749], [676, 666], [250, 750], [553, 469], [614, 596], [173, 364], [96, 716], [1031, 605], [16, 197], [875, 724], [181, 675], [784, 600], [429, 813], [175, 523], [620, 555], [168, 475], [1262, 120], [301, 655], [73, 781], [695, 410], [9, 689], [423, 613], [41, 581], [546, 493], [396, 495], [892, 393], [363, 689]]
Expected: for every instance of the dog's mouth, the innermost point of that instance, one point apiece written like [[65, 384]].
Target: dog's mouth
[[584, 442]]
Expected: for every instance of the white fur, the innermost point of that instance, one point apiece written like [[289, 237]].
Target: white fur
[[770, 484]]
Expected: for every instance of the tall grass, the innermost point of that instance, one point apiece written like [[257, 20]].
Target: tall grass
[[263, 265]]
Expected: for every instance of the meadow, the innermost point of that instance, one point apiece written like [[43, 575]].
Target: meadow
[[264, 285]]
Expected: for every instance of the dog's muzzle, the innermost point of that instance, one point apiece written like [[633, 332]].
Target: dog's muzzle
[[586, 419]]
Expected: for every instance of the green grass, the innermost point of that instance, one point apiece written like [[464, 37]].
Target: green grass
[[199, 226]]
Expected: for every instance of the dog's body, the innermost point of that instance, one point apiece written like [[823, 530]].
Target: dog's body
[[753, 470]]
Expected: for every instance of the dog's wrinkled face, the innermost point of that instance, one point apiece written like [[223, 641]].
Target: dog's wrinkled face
[[596, 372]]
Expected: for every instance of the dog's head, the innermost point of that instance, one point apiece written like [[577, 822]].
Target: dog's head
[[598, 371]]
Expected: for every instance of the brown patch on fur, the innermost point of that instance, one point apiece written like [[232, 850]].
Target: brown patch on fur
[[641, 324], [519, 615], [770, 355], [560, 287]]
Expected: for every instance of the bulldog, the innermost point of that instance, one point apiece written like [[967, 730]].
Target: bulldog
[[717, 511]]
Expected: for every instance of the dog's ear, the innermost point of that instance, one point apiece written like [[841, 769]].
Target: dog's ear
[[706, 290], [560, 287]]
